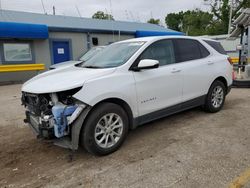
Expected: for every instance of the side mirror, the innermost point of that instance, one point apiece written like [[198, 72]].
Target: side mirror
[[147, 64]]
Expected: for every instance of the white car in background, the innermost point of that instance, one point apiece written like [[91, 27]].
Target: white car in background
[[85, 57], [127, 84]]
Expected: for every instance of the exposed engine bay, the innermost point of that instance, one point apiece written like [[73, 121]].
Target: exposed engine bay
[[51, 114]]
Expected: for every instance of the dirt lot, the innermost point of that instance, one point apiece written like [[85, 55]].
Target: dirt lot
[[190, 149]]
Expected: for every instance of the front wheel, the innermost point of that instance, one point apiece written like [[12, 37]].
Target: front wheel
[[215, 97], [105, 130]]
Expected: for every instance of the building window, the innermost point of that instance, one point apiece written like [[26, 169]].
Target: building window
[[17, 52], [95, 41]]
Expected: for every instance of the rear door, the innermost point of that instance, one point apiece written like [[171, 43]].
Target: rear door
[[158, 88], [197, 68]]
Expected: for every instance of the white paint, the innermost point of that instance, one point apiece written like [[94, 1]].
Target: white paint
[[145, 91], [60, 50]]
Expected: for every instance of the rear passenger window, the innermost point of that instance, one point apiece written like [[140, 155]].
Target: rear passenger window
[[188, 49], [163, 51], [217, 46]]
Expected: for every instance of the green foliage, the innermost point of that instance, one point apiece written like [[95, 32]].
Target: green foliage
[[174, 21], [194, 22], [154, 21], [221, 11], [101, 15], [197, 22]]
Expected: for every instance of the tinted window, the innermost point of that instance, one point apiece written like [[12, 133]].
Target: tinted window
[[187, 50], [204, 51], [217, 46], [163, 51]]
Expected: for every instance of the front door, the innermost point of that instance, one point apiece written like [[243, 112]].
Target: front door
[[61, 51], [159, 88]]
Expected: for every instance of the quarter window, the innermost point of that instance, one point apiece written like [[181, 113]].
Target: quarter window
[[204, 51], [217, 46], [163, 51], [17, 52]]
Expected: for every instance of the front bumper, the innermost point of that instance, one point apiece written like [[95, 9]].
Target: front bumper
[[70, 142], [39, 130]]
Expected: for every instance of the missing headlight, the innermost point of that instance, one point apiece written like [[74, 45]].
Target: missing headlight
[[66, 96]]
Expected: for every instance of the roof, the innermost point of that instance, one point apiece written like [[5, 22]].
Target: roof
[[59, 22], [155, 38]]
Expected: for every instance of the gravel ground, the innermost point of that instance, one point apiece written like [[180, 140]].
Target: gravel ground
[[192, 149]]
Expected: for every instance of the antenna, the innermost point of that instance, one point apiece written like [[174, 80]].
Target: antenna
[[138, 17], [43, 7], [132, 16], [126, 14], [111, 12], [54, 10], [110, 3], [79, 13]]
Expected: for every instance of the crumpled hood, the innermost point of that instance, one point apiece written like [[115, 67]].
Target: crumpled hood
[[63, 79]]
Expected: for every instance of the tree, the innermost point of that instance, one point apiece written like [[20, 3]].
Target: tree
[[221, 10], [195, 22], [154, 21], [101, 15], [174, 21]]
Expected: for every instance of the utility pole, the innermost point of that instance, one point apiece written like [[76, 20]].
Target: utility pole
[[230, 16]]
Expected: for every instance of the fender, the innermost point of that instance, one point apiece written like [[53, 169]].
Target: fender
[[77, 126]]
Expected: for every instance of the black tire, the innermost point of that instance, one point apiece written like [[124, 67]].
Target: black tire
[[88, 139], [209, 105]]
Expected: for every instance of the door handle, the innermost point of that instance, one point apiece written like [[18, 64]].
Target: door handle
[[210, 63], [175, 71]]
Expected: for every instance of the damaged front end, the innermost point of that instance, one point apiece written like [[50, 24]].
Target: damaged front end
[[56, 116]]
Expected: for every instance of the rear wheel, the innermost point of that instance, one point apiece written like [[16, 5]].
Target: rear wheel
[[105, 129], [215, 97]]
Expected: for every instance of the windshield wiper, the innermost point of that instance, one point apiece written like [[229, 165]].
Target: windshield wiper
[[92, 67]]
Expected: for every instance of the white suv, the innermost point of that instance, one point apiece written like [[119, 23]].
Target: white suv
[[129, 83]]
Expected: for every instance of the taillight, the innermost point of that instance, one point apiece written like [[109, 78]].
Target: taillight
[[233, 75], [230, 60]]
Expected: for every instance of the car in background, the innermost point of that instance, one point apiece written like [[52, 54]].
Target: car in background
[[85, 57], [127, 84]]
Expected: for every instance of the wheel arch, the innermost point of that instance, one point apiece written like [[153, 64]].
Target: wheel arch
[[123, 104], [223, 80], [125, 107]]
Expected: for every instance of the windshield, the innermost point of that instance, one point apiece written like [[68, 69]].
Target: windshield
[[113, 55], [91, 53]]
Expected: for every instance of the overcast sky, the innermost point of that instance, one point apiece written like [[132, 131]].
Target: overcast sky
[[130, 10]]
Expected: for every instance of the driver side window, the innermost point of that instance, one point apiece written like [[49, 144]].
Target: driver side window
[[163, 51]]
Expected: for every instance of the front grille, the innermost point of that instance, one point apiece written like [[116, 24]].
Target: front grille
[[36, 103], [32, 102]]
